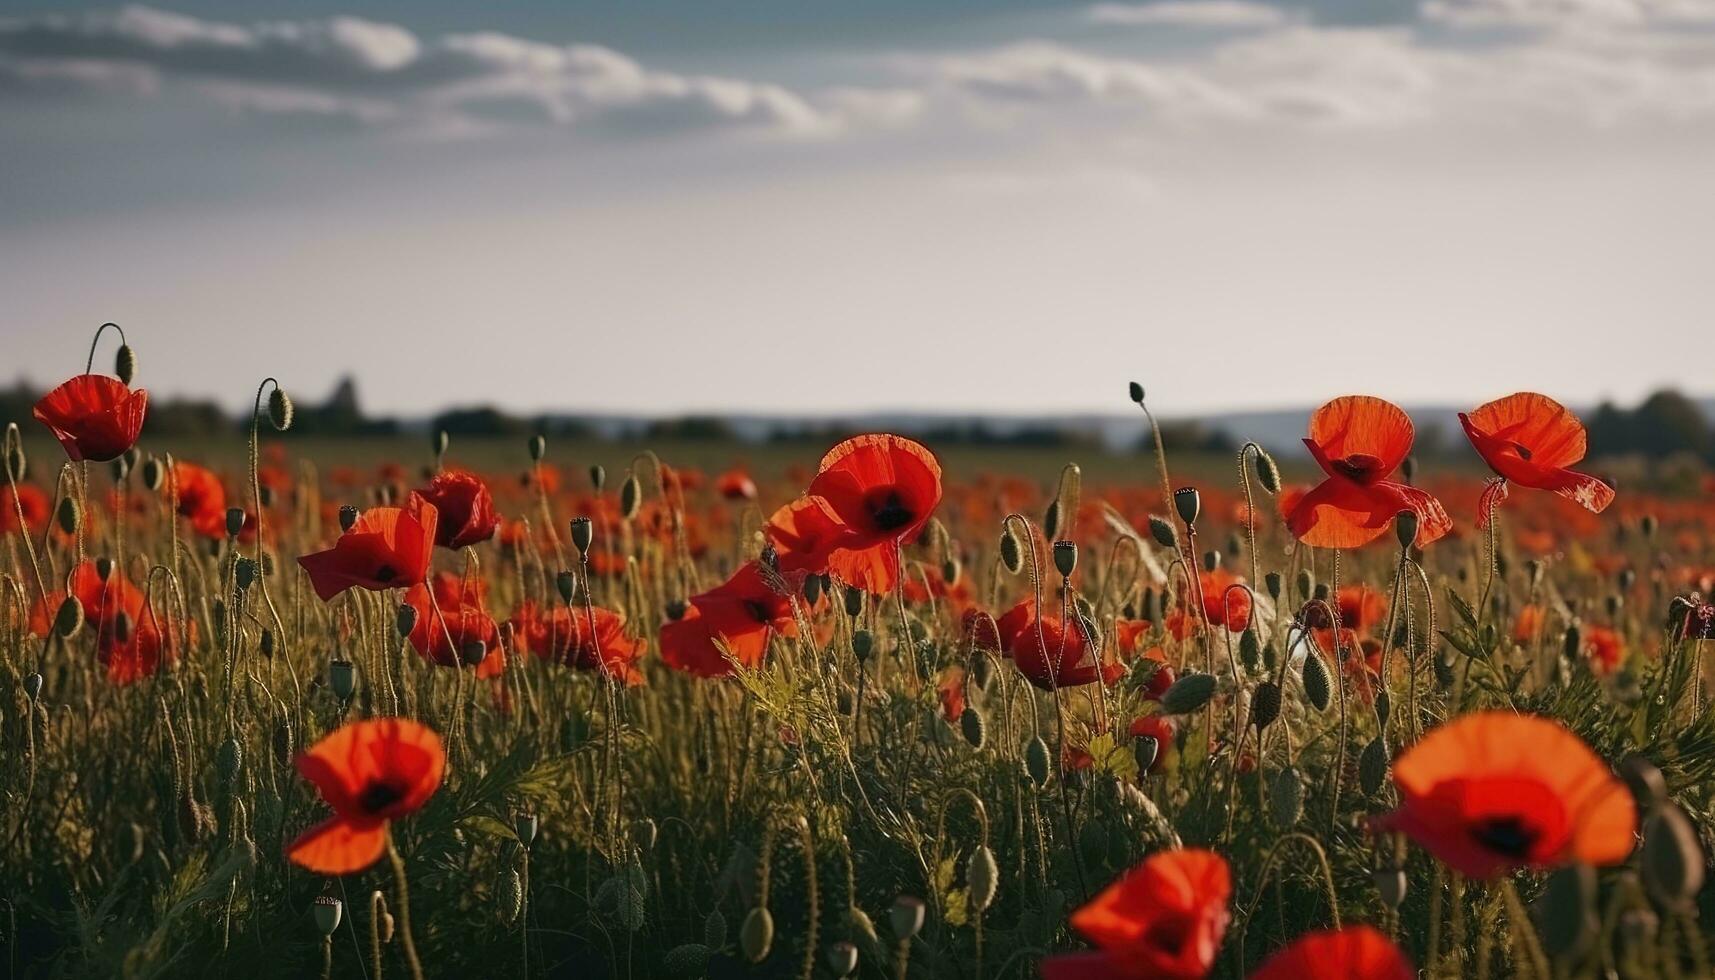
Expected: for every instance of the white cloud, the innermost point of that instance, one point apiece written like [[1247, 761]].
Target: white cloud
[[1560, 14], [1192, 13]]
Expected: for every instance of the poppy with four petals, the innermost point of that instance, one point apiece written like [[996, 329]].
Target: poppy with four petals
[[734, 618], [1359, 441], [370, 772], [464, 506], [386, 548], [1531, 439], [93, 416]]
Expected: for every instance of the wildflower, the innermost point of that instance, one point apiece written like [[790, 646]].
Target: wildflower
[[1359, 441], [1052, 655], [388, 547], [735, 484], [29, 499], [370, 772], [93, 416], [202, 499], [1353, 953], [1492, 791], [733, 619], [562, 635], [1530, 439], [451, 620], [465, 508], [1163, 919]]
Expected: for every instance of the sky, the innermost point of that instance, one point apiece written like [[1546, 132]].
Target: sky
[[817, 207]]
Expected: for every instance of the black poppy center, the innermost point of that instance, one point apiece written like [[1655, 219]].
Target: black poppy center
[[758, 611], [1358, 466], [378, 796], [1169, 935], [1522, 450], [889, 512], [386, 573], [1508, 836]]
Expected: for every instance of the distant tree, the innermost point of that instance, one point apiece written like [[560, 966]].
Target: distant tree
[[1667, 423], [691, 428], [481, 420]]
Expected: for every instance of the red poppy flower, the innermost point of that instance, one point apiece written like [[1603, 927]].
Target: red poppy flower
[[451, 621], [1359, 441], [93, 416], [1051, 656], [736, 484], [562, 635], [29, 499], [1492, 791], [951, 690], [1223, 604], [882, 489], [1604, 648], [465, 508], [388, 547], [1528, 624], [202, 499], [736, 617], [1353, 953], [142, 650], [370, 772], [1531, 439], [1164, 919]]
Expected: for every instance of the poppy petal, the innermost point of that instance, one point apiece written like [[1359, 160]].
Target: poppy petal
[[339, 846], [1363, 426]]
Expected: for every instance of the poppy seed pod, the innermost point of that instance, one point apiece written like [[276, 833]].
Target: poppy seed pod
[[524, 826], [973, 727], [1390, 886], [1188, 694], [1188, 503], [1265, 704], [1267, 473], [906, 917], [1145, 748], [234, 521], [842, 959], [1011, 554], [230, 758], [67, 515], [756, 935], [1672, 862], [598, 477], [1306, 584], [566, 583], [68, 619], [342, 678], [125, 363], [854, 600], [862, 643], [347, 517], [1065, 558], [473, 653], [583, 531], [538, 447], [33, 686], [1317, 685], [405, 620], [280, 410], [1135, 390], [1405, 528], [982, 877], [630, 497], [328, 912], [1162, 532], [1272, 582], [1036, 761]]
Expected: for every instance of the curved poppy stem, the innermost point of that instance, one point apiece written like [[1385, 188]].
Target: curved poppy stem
[[1160, 459], [1263, 878], [404, 895], [89, 366], [1250, 507], [256, 501], [14, 441]]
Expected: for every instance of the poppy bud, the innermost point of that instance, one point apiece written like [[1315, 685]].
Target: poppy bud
[[1051, 519], [1306, 583], [1628, 577], [1390, 886], [1036, 761], [347, 517], [122, 628], [1286, 798], [154, 474], [1136, 391], [267, 642], [1405, 528], [1144, 749], [125, 364], [973, 727], [1567, 910], [328, 911], [1317, 688], [230, 759], [33, 686], [280, 410], [342, 678], [1188, 694], [630, 497], [1573, 643], [473, 653], [1408, 468], [982, 877], [1211, 560], [1250, 649], [1265, 704], [906, 917], [16, 462], [1162, 532], [812, 589], [68, 619], [1614, 603], [1384, 707], [1011, 555], [1672, 862], [854, 600], [1272, 582], [1065, 557], [121, 469], [1648, 524], [244, 573], [951, 570], [1372, 766], [67, 515], [675, 610], [538, 447], [687, 960], [1644, 780], [598, 477], [405, 620], [862, 644], [1267, 473], [756, 935], [1188, 503], [582, 532], [509, 895], [234, 521], [842, 959]]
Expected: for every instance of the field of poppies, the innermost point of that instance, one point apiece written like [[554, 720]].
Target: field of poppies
[[268, 715]]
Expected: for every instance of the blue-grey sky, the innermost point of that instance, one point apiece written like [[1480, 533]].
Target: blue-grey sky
[[811, 206]]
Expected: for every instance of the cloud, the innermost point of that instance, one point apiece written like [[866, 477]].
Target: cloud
[[1191, 13], [1569, 14], [384, 74]]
